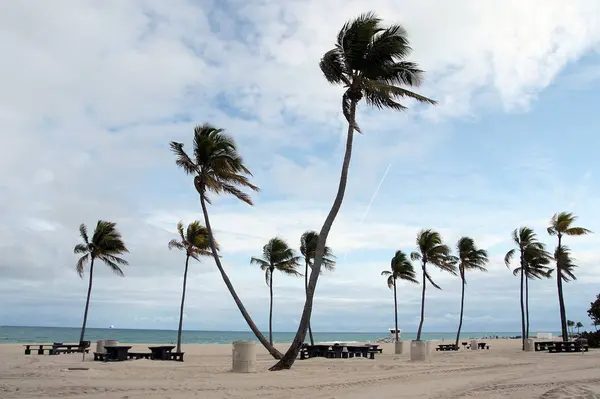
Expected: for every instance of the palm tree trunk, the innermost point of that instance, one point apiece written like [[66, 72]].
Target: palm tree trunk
[[396, 310], [462, 305], [522, 263], [310, 334], [271, 308], [526, 307], [87, 301], [292, 353], [274, 352], [422, 304], [180, 328], [561, 299]]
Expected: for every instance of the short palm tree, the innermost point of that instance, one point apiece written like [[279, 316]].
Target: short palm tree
[[561, 225], [106, 245], [218, 168], [369, 61], [276, 256], [578, 326], [469, 257], [400, 268], [431, 250], [570, 325], [308, 249], [194, 241]]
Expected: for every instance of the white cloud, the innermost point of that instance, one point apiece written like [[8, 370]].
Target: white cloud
[[92, 92]]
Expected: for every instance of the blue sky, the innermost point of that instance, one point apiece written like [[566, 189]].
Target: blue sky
[[87, 114]]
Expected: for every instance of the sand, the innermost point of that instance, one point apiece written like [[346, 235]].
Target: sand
[[501, 372]]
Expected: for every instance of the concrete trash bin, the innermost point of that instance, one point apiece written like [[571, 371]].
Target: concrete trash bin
[[100, 346], [529, 345], [244, 357], [474, 345], [418, 350], [398, 347]]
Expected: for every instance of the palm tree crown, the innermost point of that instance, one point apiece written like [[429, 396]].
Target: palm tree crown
[[369, 61], [401, 268], [308, 249], [194, 241], [216, 164], [106, 245], [565, 262], [277, 256], [470, 257], [432, 250], [536, 260], [562, 224]]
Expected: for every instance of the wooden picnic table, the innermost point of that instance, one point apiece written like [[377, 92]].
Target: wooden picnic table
[[116, 353], [446, 347], [162, 352]]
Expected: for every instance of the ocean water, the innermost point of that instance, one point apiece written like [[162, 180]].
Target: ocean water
[[68, 334]]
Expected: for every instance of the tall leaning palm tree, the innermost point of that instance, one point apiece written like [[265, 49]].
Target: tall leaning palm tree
[[561, 225], [400, 268], [308, 249], [106, 245], [369, 61], [218, 168], [525, 239], [536, 264], [276, 256], [469, 257], [431, 250], [194, 241]]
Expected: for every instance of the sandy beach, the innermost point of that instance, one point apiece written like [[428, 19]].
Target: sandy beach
[[501, 372]]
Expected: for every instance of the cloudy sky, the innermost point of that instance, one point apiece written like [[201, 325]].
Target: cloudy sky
[[93, 91]]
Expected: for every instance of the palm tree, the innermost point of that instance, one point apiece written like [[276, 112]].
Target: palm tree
[[400, 268], [369, 60], [433, 251], [527, 244], [308, 248], [536, 260], [469, 258], [561, 224], [218, 168], [277, 256], [195, 244], [106, 245], [578, 326], [570, 324]]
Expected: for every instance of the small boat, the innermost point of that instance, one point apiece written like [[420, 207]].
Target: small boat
[[111, 326]]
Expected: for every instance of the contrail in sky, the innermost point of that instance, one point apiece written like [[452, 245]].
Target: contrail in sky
[[372, 199]]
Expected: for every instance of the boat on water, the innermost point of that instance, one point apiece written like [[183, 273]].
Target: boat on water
[[111, 326]]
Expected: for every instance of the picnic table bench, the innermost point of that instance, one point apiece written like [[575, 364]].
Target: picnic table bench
[[57, 348], [543, 345], [337, 351], [115, 353], [570, 346], [483, 345], [447, 347]]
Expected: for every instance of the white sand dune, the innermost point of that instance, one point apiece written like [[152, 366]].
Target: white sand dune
[[502, 372]]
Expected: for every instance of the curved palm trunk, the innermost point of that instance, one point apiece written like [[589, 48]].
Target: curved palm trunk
[[422, 304], [271, 308], [396, 310], [274, 352], [462, 306], [87, 301], [526, 307], [310, 334], [561, 299], [180, 328], [292, 353]]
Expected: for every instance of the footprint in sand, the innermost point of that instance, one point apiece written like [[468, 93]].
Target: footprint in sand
[[570, 392]]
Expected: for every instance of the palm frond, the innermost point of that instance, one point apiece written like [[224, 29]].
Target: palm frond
[[334, 68], [176, 244], [83, 233], [182, 159], [81, 264], [81, 249]]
